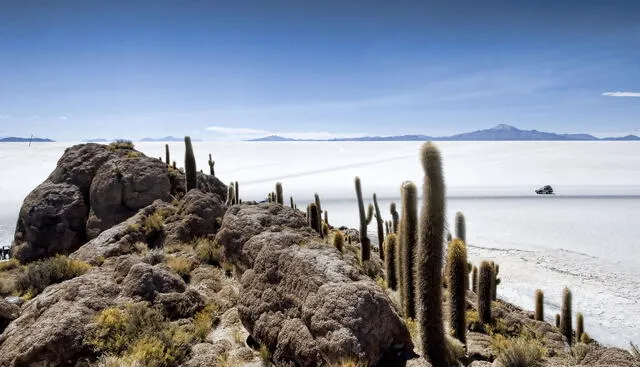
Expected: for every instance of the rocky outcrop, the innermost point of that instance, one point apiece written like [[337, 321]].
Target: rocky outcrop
[[8, 313], [52, 220], [241, 222], [93, 188], [121, 187], [50, 329], [199, 214], [301, 299]]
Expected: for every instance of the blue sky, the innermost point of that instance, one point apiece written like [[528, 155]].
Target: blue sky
[[226, 70]]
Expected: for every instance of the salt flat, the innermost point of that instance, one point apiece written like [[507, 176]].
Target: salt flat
[[585, 237]]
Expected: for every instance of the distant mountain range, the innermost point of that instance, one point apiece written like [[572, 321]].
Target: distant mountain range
[[13, 139], [500, 132], [165, 139]]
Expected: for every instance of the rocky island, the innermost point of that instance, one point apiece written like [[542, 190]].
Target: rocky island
[[124, 260]]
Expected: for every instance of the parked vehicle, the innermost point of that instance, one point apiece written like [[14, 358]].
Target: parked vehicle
[[545, 190]]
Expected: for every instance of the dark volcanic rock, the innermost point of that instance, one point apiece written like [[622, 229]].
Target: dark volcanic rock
[[123, 186], [52, 220], [79, 164]]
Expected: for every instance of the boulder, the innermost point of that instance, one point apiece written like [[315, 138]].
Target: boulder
[[51, 327], [52, 220], [121, 187], [121, 238], [199, 215], [8, 313], [144, 282], [241, 222], [79, 164], [310, 307]]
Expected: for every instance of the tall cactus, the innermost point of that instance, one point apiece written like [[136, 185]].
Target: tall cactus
[[292, 204], [237, 193], [461, 228], [484, 292], [190, 165], [409, 230], [558, 321], [167, 156], [579, 326], [539, 305], [429, 259], [474, 279], [279, 195], [231, 196], [565, 318], [380, 227], [391, 245], [338, 241], [314, 221], [319, 209], [395, 217], [212, 163], [365, 252], [386, 228], [326, 217], [458, 280]]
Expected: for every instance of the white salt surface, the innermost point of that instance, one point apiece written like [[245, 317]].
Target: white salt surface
[[586, 237]]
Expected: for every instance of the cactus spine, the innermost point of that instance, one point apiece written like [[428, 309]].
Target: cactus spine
[[212, 163], [279, 196], [313, 218], [365, 251], [190, 165], [167, 156], [565, 318], [409, 230], [395, 218], [461, 228], [539, 305], [458, 281], [429, 259], [391, 245], [380, 227], [484, 292], [579, 326], [474, 279]]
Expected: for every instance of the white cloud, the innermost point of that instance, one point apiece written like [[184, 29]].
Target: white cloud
[[621, 94], [249, 133], [4, 117], [64, 118]]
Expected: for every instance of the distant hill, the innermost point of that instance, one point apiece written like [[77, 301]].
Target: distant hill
[[13, 139], [146, 140], [165, 139], [500, 132]]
